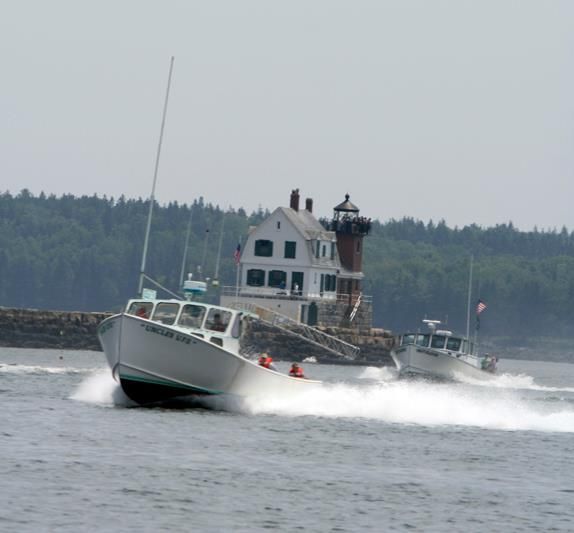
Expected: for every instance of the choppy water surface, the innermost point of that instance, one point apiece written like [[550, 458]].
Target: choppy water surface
[[366, 453]]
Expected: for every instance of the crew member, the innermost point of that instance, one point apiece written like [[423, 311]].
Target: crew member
[[141, 312], [266, 361], [296, 371]]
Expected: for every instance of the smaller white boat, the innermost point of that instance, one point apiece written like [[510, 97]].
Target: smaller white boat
[[439, 354], [159, 350]]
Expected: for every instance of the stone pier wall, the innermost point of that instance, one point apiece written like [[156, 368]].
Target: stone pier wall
[[35, 328]]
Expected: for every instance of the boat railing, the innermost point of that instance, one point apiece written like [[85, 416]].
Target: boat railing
[[286, 294], [303, 331]]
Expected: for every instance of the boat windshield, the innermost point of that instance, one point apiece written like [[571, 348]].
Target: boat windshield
[[192, 316], [165, 313], [453, 344], [438, 341], [217, 320], [409, 338], [423, 339], [141, 309]]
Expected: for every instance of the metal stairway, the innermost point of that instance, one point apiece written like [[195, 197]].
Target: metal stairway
[[356, 307], [303, 331]]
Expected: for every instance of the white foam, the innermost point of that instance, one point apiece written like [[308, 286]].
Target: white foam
[[385, 373], [100, 388], [423, 404], [513, 381], [394, 402], [37, 369]]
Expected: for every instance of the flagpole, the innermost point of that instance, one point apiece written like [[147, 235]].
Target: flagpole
[[477, 320]]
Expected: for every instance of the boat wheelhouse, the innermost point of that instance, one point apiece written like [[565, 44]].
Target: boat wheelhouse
[[440, 354]]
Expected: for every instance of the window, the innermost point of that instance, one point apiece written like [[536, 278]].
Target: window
[[422, 340], [324, 251], [332, 250], [264, 248], [191, 316], [166, 313], [438, 341], [217, 320], [317, 249], [330, 282], [256, 277], [453, 344], [141, 309], [277, 278], [290, 248], [408, 339], [278, 224]]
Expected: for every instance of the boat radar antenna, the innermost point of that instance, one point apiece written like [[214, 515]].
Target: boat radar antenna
[[152, 196], [432, 324]]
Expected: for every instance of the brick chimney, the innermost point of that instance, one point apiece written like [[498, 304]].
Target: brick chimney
[[294, 200], [309, 204]]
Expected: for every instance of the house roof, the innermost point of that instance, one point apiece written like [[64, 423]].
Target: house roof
[[307, 224]]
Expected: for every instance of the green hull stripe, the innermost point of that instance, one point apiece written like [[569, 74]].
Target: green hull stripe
[[167, 384]]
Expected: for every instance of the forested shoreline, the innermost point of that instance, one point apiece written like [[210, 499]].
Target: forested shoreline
[[84, 253]]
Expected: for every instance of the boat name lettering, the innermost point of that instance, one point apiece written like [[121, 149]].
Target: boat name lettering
[[159, 331], [181, 338]]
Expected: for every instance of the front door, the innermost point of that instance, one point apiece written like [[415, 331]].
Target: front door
[[297, 283], [312, 314]]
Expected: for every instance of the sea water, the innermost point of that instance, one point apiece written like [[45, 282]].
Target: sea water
[[367, 452]]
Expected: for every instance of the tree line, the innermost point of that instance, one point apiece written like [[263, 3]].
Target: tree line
[[84, 253]]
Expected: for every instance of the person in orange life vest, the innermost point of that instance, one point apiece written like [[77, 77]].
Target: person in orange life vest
[[266, 361], [296, 371], [142, 313]]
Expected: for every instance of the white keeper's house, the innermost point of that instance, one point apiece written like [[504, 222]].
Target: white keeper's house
[[306, 269]]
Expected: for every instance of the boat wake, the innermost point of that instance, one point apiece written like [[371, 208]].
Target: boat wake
[[14, 368], [391, 401], [425, 404], [513, 381]]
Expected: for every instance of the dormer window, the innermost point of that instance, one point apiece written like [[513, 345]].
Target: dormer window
[[264, 248]]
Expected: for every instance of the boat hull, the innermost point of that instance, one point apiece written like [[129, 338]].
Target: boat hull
[[413, 360], [155, 363]]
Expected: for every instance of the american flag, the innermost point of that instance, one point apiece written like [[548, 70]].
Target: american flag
[[237, 254], [480, 307]]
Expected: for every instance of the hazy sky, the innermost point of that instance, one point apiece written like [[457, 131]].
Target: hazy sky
[[454, 109]]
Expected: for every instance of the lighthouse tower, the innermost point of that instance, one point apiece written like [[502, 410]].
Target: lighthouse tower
[[350, 229]]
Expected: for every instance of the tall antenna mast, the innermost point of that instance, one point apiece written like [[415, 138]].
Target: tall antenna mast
[[152, 196], [468, 302], [216, 275], [184, 260]]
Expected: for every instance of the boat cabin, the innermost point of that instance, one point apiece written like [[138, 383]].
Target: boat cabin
[[211, 322], [438, 340]]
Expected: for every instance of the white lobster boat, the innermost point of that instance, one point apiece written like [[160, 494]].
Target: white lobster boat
[[159, 350], [439, 354]]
